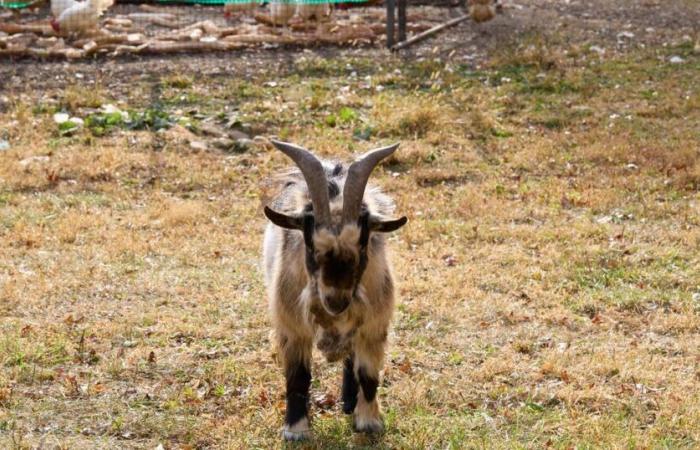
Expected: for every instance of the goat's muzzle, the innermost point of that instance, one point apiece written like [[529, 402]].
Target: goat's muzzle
[[336, 304]]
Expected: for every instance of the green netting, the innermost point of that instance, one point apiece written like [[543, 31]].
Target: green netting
[[14, 4]]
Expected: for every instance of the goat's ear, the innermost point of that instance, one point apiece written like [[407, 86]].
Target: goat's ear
[[283, 220], [386, 225]]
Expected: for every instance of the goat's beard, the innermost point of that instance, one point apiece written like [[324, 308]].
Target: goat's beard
[[334, 334]]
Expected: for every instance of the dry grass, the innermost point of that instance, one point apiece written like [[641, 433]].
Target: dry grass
[[549, 275]]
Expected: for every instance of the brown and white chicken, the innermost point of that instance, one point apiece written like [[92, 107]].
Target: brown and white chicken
[[71, 16], [482, 10]]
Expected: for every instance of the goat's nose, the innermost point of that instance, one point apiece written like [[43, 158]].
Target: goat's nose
[[337, 305]]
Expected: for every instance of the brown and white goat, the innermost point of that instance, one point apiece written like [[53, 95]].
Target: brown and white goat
[[329, 281]]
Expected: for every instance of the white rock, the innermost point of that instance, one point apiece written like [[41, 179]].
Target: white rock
[[60, 118], [675, 59], [110, 109], [198, 145]]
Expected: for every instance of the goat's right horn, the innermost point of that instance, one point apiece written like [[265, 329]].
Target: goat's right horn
[[356, 182], [315, 177]]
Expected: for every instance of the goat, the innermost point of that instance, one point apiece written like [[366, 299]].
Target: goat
[[329, 281]]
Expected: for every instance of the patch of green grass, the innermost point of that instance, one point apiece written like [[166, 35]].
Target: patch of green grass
[[177, 81]]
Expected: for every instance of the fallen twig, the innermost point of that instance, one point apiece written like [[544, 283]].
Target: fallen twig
[[430, 32], [15, 28]]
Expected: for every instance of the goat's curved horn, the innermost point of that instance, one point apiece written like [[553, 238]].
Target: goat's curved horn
[[315, 177], [356, 181]]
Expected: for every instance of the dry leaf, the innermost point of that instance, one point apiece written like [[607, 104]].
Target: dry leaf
[[325, 400]]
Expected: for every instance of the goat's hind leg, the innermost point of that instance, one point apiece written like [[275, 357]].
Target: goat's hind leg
[[296, 355]]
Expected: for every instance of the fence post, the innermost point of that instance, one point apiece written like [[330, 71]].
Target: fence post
[[402, 20], [390, 23]]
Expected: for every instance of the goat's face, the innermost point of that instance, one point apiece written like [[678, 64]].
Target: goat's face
[[335, 261], [336, 246]]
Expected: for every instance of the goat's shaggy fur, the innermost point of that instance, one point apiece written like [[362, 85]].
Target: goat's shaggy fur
[[305, 275]]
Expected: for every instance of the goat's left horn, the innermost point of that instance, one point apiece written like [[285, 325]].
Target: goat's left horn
[[315, 177], [356, 181]]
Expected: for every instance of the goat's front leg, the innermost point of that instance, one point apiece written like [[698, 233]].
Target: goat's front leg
[[351, 387], [369, 356], [297, 371]]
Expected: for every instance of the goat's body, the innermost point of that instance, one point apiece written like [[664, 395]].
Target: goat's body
[[358, 335]]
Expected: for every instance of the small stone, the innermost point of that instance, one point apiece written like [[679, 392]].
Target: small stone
[[243, 145], [696, 297], [597, 49], [60, 118], [625, 34], [4, 145], [238, 134], [675, 59], [198, 145], [224, 144]]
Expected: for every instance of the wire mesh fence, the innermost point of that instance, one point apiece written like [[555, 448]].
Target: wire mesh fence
[[84, 28]]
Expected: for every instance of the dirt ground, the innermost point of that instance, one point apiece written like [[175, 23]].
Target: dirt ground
[[549, 278], [651, 22]]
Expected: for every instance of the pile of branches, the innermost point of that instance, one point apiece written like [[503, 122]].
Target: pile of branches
[[127, 34]]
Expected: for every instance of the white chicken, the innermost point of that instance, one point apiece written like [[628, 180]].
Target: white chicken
[[58, 6], [317, 10], [281, 12], [77, 16], [239, 8]]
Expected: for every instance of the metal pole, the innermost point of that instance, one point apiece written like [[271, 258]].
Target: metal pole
[[402, 20], [390, 23]]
